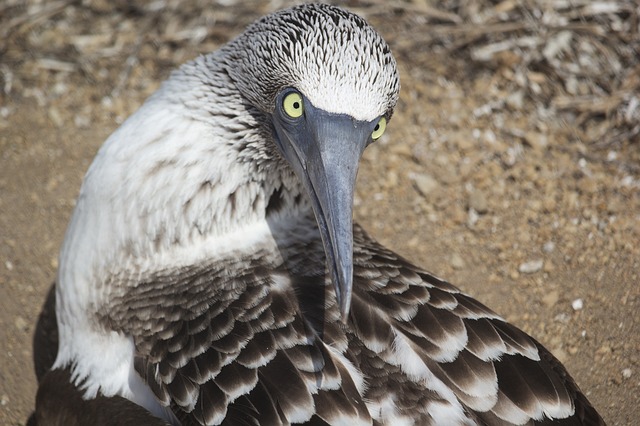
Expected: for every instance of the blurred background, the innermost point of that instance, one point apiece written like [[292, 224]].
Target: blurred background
[[511, 166]]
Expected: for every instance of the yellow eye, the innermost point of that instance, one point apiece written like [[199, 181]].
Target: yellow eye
[[379, 129], [292, 105]]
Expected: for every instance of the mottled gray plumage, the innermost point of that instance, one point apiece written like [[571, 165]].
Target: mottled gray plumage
[[200, 264]]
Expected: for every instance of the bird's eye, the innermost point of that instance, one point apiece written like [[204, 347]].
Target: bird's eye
[[292, 105], [379, 129]]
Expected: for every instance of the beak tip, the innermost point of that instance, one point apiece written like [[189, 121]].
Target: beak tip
[[344, 312], [344, 315], [343, 293]]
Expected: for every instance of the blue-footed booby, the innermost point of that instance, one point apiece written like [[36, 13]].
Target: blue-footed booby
[[212, 274]]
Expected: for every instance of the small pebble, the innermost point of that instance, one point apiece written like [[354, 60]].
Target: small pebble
[[473, 217], [20, 323], [55, 117], [425, 184], [516, 100], [582, 163], [536, 140], [457, 262], [82, 121], [549, 247], [577, 304], [531, 267], [478, 202], [626, 373]]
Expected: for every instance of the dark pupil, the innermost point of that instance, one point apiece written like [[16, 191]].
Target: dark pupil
[[375, 129], [296, 105]]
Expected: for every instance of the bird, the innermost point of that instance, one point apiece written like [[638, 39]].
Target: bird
[[212, 273]]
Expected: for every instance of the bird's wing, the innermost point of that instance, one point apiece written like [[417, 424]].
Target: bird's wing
[[411, 326], [241, 342], [227, 342]]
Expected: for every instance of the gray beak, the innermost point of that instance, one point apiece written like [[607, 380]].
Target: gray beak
[[324, 150]]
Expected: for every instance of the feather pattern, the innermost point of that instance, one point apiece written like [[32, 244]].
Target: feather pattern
[[218, 342], [194, 279]]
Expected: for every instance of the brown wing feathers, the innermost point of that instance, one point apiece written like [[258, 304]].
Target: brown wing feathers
[[248, 353]]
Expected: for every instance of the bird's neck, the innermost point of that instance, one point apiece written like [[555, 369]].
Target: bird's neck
[[176, 184]]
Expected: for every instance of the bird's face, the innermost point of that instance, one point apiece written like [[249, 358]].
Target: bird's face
[[324, 150], [328, 83]]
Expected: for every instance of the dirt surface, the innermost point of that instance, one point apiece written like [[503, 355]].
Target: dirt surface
[[498, 172]]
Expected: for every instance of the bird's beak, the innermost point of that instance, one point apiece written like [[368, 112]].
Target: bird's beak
[[324, 150]]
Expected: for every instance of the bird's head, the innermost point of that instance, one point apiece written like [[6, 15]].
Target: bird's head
[[328, 83]]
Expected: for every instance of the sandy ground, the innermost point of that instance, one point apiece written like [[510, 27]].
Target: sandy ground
[[507, 199]]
